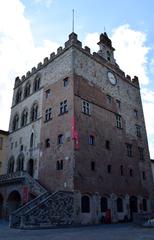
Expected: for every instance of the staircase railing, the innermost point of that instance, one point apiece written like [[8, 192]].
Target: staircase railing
[[15, 217]]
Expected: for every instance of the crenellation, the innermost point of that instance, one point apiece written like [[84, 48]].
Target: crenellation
[[87, 49], [17, 81], [128, 78], [23, 78], [135, 80], [52, 55], [39, 65], [28, 74], [33, 70], [45, 61], [59, 50]]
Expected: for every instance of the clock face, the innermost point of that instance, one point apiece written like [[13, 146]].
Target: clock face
[[112, 78]]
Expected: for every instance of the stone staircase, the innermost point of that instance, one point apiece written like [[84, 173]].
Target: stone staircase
[[34, 186], [47, 210], [15, 217]]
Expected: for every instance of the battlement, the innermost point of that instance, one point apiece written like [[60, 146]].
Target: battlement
[[73, 41]]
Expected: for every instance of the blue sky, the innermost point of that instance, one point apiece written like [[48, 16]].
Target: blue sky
[[31, 29]]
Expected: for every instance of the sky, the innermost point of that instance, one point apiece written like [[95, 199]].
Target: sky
[[31, 29]]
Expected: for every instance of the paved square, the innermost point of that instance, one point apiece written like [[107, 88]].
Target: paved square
[[101, 232]]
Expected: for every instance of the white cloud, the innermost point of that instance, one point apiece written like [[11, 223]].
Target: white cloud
[[47, 3], [131, 51], [91, 41], [18, 52]]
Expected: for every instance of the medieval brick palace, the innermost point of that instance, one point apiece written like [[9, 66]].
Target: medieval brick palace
[[77, 145]]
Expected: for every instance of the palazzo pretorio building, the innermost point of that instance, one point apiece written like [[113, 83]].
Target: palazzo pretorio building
[[77, 144]]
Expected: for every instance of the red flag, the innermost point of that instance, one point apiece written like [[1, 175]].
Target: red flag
[[75, 135]]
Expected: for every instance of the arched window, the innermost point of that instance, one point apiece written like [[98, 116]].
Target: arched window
[[144, 204], [34, 112], [30, 167], [59, 165], [24, 118], [119, 205], [20, 162], [18, 96], [91, 140], [15, 122], [31, 140], [10, 167], [108, 56], [85, 204], [104, 204], [36, 84], [60, 139], [121, 170], [27, 90]]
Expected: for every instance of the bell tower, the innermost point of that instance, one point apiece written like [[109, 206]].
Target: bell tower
[[106, 50]]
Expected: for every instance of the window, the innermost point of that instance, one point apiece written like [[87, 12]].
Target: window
[[34, 112], [60, 139], [138, 131], [24, 118], [15, 122], [85, 204], [93, 166], [141, 153], [31, 140], [118, 103], [21, 148], [47, 143], [109, 98], [121, 170], [1, 143], [59, 165], [144, 202], [118, 121], [63, 107], [131, 172], [91, 140], [47, 93], [36, 85], [48, 113], [27, 90], [104, 204], [135, 113], [18, 96], [86, 107], [143, 175], [109, 168], [107, 144], [129, 149], [119, 205], [10, 167], [20, 162], [65, 82], [108, 56]]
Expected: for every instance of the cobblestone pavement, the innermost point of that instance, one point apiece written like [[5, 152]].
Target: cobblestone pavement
[[101, 232]]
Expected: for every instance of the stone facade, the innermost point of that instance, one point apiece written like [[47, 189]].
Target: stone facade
[[3, 150], [77, 126]]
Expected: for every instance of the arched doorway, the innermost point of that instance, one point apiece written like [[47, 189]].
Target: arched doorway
[[133, 206], [13, 202], [1, 206], [30, 167]]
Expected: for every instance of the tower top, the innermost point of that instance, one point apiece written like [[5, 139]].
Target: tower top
[[106, 50], [105, 40]]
